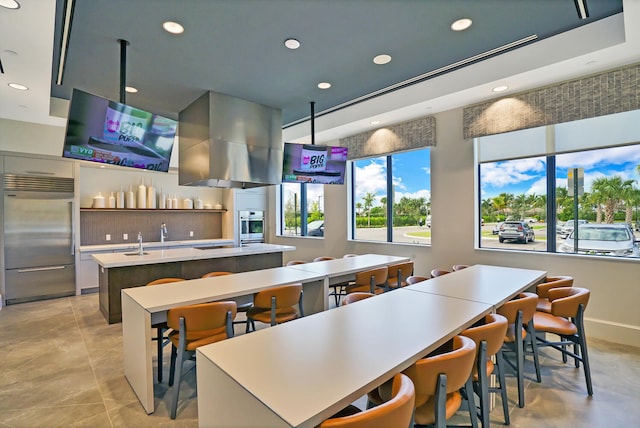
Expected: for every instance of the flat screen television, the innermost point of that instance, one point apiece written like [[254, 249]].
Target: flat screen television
[[306, 163], [105, 131]]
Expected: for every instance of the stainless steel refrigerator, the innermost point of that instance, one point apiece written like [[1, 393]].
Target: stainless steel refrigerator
[[38, 238]]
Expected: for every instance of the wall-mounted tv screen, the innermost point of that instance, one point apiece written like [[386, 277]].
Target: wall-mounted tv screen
[[101, 130], [306, 163]]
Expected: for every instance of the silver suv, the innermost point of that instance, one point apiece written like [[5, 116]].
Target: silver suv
[[566, 229], [519, 231]]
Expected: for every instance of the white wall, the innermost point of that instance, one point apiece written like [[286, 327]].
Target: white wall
[[612, 313]]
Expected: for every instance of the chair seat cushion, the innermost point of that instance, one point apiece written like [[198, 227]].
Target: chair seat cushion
[[264, 315], [490, 367], [544, 305], [200, 340], [552, 324], [510, 337], [425, 414]]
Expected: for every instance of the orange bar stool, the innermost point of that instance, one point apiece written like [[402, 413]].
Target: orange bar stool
[[275, 305]]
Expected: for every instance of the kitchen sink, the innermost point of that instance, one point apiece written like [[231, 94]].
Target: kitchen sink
[[136, 254]]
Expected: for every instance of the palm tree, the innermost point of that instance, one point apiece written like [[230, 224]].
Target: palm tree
[[367, 202], [611, 191]]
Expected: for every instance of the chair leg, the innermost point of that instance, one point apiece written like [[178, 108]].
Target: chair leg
[[182, 344], [483, 384], [520, 359], [582, 339], [440, 402], [531, 332], [160, 340], [472, 405], [503, 387], [172, 368]]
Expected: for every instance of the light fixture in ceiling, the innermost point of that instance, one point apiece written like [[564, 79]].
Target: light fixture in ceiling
[[461, 24], [382, 59], [18, 86], [172, 27], [131, 89], [64, 42], [292, 43], [324, 85], [375, 122], [500, 88], [581, 8], [10, 4]]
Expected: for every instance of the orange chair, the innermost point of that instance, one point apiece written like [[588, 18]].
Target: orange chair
[[372, 281], [438, 272], [243, 303], [438, 379], [398, 275], [194, 326], [567, 321], [355, 297], [275, 305], [542, 290], [161, 327], [488, 334], [396, 412], [519, 313], [459, 267], [296, 262], [414, 279]]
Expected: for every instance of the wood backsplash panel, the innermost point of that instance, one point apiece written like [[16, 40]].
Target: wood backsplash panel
[[95, 225]]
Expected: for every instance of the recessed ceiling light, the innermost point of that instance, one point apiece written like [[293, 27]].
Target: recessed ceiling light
[[292, 43], [375, 122], [131, 89], [461, 24], [382, 59], [324, 85], [10, 4], [18, 86], [173, 27], [500, 88]]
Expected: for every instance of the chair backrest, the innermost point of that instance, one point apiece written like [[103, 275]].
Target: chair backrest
[[414, 279], [405, 269], [216, 273], [438, 272], [396, 412], [379, 276], [349, 255], [165, 281], [296, 262], [566, 300], [526, 302], [323, 258], [492, 329], [459, 267], [456, 363], [286, 296], [202, 320], [354, 297], [542, 289]]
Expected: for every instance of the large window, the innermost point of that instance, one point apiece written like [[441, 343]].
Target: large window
[[302, 209], [588, 177], [391, 198]]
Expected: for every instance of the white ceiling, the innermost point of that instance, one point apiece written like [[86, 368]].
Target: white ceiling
[[602, 45]]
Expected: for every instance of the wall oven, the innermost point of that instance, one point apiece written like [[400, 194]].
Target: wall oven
[[251, 226]]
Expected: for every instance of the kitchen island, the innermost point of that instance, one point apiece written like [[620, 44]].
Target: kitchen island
[[125, 270]]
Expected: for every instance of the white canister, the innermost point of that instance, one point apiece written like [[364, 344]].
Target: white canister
[[187, 204], [162, 200], [131, 198], [142, 195], [120, 199], [169, 203], [112, 201], [199, 204], [151, 197], [175, 203], [98, 201]]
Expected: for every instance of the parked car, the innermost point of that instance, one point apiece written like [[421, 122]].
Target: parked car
[[519, 231], [496, 228], [315, 228], [531, 220], [566, 229], [603, 239], [428, 221]]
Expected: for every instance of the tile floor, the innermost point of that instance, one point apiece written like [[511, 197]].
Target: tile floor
[[61, 365]]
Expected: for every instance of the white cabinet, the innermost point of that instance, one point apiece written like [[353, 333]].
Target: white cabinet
[[87, 271], [36, 166]]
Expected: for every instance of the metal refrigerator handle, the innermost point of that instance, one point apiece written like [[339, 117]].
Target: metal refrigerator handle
[[40, 269], [73, 230]]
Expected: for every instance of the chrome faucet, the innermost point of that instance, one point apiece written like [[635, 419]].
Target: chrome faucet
[[163, 232], [140, 252]]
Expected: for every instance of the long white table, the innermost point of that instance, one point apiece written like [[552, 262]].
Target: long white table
[[142, 306], [322, 363], [493, 285], [309, 369]]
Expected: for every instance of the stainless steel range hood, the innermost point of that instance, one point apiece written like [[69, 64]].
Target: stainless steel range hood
[[229, 142]]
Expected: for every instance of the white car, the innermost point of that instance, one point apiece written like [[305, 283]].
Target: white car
[[566, 229], [603, 240]]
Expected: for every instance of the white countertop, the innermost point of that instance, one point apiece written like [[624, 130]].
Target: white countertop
[[166, 244], [111, 260]]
